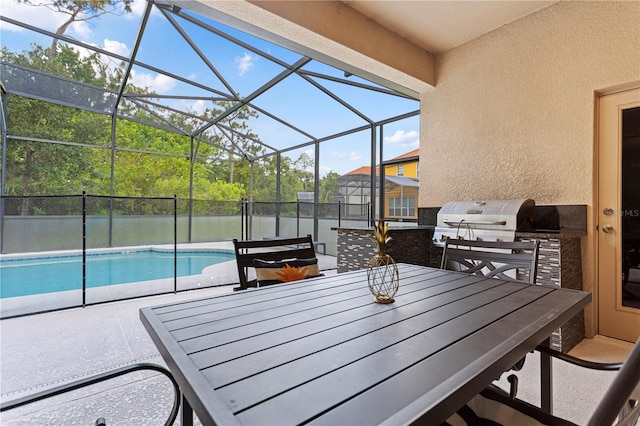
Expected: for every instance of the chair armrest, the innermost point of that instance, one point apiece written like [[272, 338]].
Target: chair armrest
[[579, 361]]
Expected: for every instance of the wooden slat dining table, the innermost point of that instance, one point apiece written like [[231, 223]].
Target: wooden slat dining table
[[321, 352]]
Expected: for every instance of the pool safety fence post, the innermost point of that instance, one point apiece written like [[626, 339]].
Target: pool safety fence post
[[246, 218], [339, 213], [2, 217], [297, 218], [175, 243], [242, 207], [84, 248]]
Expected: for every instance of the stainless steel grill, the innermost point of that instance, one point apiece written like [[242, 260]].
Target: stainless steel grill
[[492, 220]]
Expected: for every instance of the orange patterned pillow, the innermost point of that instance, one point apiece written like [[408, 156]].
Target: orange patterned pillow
[[285, 271]]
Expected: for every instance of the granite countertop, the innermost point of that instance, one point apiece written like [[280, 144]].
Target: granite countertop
[[391, 228], [539, 233], [545, 233]]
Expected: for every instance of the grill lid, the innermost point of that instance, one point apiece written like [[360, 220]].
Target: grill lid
[[490, 220]]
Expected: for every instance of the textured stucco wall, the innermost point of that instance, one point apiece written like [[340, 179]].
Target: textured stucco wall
[[513, 112], [512, 115]]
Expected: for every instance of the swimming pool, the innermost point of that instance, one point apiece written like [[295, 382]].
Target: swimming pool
[[30, 276]]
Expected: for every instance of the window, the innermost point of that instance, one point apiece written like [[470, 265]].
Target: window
[[400, 170], [402, 207]]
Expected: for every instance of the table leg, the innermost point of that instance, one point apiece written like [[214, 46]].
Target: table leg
[[187, 412], [546, 380]]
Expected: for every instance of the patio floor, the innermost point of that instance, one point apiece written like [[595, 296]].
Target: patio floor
[[45, 350]]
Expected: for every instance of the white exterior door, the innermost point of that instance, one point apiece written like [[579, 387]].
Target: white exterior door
[[618, 215]]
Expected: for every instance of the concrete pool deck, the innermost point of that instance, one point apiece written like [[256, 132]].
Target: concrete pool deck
[[38, 352], [41, 351]]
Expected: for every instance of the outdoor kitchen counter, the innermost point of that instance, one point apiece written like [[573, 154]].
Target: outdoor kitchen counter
[[408, 245], [560, 264], [413, 244]]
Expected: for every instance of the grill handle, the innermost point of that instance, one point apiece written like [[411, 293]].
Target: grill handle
[[464, 222]]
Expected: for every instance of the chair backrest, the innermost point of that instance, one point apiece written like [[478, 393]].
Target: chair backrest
[[515, 261], [276, 249], [623, 395]]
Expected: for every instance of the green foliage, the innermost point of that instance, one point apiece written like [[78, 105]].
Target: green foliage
[[68, 63], [45, 168], [328, 185], [140, 173], [40, 167]]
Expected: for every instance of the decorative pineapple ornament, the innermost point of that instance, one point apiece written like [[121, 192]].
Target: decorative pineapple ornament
[[382, 272]]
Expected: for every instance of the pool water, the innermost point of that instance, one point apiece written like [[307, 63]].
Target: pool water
[[24, 277]]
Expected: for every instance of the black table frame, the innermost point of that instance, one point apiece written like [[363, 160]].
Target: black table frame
[[321, 351]]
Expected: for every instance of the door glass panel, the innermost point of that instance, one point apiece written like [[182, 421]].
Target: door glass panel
[[631, 207]]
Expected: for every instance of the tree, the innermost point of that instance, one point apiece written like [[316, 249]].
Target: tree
[[301, 169], [232, 133], [39, 167], [294, 177], [79, 11], [140, 173], [328, 185]]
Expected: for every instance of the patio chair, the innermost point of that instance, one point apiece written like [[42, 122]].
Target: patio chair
[[619, 406], [515, 261], [251, 253], [99, 378]]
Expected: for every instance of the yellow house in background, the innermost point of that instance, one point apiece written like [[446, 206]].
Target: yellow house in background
[[404, 165], [402, 186], [401, 189]]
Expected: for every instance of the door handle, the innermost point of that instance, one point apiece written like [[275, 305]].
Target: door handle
[[607, 229]]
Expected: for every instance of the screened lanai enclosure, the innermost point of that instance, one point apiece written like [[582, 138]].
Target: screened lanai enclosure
[[140, 123]]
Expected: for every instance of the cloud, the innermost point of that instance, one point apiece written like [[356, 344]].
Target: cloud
[[158, 83], [355, 155], [198, 106], [112, 46], [116, 47], [81, 29], [325, 170], [351, 156], [137, 9], [245, 63], [40, 17], [401, 138]]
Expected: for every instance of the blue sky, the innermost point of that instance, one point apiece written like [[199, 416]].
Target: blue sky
[[296, 100]]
